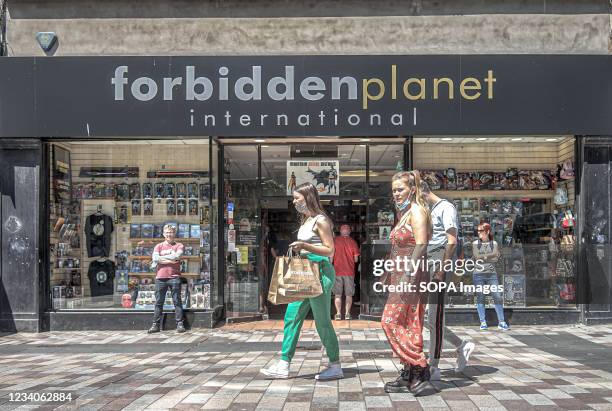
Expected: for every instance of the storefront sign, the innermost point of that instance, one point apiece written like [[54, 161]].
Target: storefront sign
[[323, 174], [305, 95]]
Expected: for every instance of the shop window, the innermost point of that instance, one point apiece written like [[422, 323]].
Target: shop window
[[524, 188], [385, 161], [245, 247], [109, 202], [597, 227]]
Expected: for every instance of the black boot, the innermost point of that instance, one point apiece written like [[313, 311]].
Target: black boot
[[154, 328], [420, 385], [402, 383], [180, 327]]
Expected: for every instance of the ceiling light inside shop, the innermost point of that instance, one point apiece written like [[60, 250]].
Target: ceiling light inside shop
[[364, 139], [265, 146], [551, 139], [397, 156], [258, 140], [446, 139], [517, 139], [481, 139]]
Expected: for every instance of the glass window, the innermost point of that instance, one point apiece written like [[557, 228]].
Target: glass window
[[597, 224], [109, 202], [385, 160], [523, 187], [244, 246]]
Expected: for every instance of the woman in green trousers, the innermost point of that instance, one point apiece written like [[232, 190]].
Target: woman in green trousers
[[316, 242]]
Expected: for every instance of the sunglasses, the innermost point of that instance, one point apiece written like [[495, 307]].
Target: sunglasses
[[481, 231]]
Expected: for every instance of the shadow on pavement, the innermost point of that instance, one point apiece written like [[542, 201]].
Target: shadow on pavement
[[452, 379], [349, 372]]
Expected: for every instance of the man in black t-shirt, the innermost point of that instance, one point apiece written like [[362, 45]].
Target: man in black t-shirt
[[101, 277]]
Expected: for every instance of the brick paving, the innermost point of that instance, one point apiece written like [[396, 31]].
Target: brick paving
[[218, 369]]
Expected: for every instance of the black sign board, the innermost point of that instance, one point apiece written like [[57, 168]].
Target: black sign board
[[305, 95]]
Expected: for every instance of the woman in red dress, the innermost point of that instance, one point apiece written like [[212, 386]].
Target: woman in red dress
[[402, 318]]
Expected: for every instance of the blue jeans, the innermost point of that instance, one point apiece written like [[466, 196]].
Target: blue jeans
[[489, 279], [161, 286]]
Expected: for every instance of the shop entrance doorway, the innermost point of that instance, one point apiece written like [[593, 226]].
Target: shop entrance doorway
[[280, 222], [257, 183]]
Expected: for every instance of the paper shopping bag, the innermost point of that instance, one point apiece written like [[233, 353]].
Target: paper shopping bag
[[294, 279]]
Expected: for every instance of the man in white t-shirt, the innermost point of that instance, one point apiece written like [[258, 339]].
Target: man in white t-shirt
[[440, 250]]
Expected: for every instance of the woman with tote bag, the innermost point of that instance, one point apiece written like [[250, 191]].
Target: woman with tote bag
[[316, 242]]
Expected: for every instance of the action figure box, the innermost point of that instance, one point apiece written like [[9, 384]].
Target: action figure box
[[434, 178], [194, 231], [135, 231], [147, 230], [183, 231], [464, 181], [486, 181], [451, 179]]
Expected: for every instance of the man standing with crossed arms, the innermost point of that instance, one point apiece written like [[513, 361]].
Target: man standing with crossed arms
[[441, 248]]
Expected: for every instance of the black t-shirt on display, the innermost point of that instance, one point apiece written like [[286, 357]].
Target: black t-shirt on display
[[101, 277], [98, 229]]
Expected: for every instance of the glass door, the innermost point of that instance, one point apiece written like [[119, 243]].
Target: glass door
[[242, 232]]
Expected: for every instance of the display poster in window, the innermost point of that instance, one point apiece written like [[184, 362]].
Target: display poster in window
[[242, 254], [247, 239], [514, 290], [231, 240], [323, 174]]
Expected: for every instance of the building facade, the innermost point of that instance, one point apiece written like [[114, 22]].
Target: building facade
[[200, 114]]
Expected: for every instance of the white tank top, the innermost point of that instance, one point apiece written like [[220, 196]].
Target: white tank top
[[307, 233]]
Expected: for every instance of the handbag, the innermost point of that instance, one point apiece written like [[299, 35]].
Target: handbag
[[294, 278]]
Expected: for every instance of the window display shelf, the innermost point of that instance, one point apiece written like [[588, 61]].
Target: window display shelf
[[496, 193], [146, 274], [159, 240], [145, 257]]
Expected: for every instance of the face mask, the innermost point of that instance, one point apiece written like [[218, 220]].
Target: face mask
[[402, 206], [301, 208]]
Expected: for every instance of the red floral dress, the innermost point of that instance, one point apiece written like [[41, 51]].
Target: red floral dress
[[402, 318]]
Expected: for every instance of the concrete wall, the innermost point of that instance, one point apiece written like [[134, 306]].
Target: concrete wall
[[182, 27]]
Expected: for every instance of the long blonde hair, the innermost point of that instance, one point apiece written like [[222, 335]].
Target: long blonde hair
[[311, 196], [413, 179]]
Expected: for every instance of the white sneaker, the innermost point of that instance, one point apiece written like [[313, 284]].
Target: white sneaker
[[463, 355], [332, 372], [279, 370], [434, 373]]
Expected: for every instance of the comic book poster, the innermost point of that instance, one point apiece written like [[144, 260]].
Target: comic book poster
[[323, 174]]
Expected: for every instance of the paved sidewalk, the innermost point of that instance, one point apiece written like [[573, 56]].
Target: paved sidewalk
[[530, 367]]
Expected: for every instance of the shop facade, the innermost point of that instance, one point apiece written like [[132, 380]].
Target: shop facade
[[91, 175]]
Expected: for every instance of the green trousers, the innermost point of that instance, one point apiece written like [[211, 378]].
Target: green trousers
[[321, 305]]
